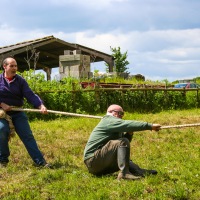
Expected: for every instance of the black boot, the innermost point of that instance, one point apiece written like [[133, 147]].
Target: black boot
[[137, 171], [123, 156]]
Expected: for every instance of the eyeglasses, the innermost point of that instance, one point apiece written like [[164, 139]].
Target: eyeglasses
[[120, 113]]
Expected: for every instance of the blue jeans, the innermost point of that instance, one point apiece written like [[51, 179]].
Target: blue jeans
[[22, 128]]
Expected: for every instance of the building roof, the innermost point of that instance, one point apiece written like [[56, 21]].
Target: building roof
[[49, 49]]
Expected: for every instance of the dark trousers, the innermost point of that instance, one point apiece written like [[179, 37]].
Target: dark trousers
[[104, 160], [22, 128]]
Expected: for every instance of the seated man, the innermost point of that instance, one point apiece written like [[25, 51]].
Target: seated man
[[108, 148]]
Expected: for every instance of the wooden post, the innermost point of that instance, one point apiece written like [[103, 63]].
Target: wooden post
[[48, 73]]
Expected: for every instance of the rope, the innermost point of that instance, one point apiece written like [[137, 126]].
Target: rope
[[95, 117], [180, 126], [57, 112]]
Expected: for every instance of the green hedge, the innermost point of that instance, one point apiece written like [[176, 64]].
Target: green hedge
[[67, 95], [94, 102]]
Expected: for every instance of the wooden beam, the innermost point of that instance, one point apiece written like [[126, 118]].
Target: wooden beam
[[22, 49], [49, 55]]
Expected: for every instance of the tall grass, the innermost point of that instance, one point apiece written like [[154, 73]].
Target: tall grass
[[174, 153]]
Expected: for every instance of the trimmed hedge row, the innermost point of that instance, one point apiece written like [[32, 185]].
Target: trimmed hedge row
[[93, 102], [68, 95]]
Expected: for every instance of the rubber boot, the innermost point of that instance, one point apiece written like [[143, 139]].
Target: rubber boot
[[123, 155], [137, 171]]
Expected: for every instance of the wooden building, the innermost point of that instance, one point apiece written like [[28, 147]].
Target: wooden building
[[50, 52]]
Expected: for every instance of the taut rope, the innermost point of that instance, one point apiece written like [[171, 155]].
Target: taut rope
[[57, 112], [95, 117], [180, 126]]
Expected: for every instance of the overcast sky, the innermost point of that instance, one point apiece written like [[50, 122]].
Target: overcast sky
[[162, 37]]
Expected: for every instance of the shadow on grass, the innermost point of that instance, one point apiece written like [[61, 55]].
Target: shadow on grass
[[61, 165]]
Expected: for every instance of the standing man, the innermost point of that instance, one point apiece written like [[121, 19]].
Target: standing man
[[108, 147], [13, 89]]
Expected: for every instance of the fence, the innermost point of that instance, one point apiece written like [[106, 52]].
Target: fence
[[142, 100]]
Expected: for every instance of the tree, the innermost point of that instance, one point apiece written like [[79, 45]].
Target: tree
[[120, 60], [34, 56]]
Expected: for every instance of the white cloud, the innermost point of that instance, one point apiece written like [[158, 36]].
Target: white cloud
[[87, 3], [175, 53], [151, 52], [161, 37]]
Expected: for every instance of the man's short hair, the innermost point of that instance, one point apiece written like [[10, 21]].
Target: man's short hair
[[5, 61]]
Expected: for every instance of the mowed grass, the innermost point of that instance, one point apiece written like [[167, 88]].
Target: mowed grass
[[175, 153]]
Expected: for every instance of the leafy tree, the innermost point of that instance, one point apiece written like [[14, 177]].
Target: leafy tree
[[120, 59]]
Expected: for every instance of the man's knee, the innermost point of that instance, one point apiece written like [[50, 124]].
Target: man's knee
[[125, 142]]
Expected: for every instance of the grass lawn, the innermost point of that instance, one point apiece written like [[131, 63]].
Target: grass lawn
[[175, 153]]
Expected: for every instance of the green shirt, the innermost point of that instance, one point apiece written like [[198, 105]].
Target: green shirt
[[111, 128]]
